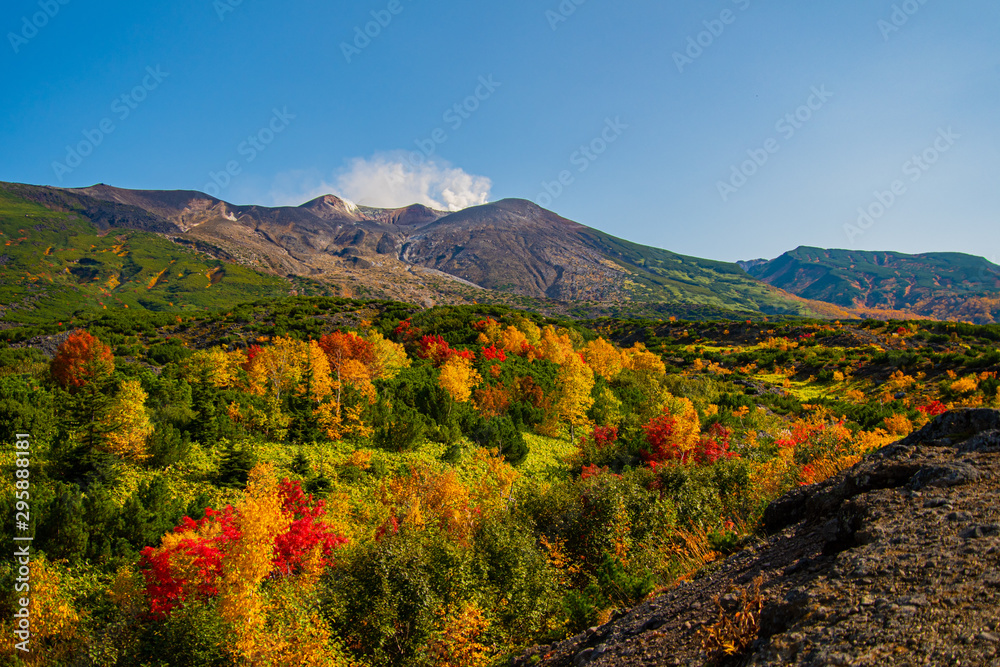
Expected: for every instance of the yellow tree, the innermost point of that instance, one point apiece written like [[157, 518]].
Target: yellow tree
[[688, 428], [218, 367], [354, 373], [606, 360], [555, 346], [458, 378], [127, 423], [529, 329], [490, 331], [259, 520], [56, 626], [457, 641], [641, 360], [574, 384], [317, 368], [513, 340], [648, 368], [277, 368], [296, 633], [389, 357]]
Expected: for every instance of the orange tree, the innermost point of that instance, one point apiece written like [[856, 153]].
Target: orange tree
[[82, 368]]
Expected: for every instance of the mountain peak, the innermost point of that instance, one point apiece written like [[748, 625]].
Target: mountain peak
[[332, 207]]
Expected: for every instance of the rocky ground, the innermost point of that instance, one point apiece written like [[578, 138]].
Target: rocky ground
[[893, 562]]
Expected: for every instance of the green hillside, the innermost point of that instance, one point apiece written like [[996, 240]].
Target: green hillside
[[56, 264], [664, 277], [942, 285]]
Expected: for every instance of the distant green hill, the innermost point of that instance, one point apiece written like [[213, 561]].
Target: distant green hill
[[54, 264], [940, 285]]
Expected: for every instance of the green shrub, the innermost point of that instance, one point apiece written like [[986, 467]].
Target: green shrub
[[501, 433], [399, 428]]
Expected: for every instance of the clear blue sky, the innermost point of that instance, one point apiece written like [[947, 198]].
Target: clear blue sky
[[895, 93]]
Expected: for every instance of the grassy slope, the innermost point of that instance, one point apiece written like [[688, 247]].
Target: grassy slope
[[54, 264], [663, 276]]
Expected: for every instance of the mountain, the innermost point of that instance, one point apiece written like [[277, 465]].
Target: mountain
[[511, 246], [933, 285], [511, 251]]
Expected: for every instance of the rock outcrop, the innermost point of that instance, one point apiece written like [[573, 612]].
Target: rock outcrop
[[895, 561]]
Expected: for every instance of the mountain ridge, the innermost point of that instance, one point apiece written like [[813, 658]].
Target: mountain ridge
[[511, 251]]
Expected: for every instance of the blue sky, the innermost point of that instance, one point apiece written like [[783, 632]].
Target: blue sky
[[664, 120]]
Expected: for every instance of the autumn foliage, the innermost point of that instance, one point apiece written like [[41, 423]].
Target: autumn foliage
[[444, 509], [191, 560], [81, 359]]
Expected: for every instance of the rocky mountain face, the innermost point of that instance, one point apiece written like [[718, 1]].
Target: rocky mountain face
[[936, 285], [895, 561]]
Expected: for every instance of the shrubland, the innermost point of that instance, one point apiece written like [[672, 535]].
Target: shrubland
[[325, 482]]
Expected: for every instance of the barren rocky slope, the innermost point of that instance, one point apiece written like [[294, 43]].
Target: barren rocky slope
[[893, 562]]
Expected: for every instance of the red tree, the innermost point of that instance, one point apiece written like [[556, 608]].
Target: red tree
[[340, 347], [81, 359], [439, 351], [933, 409], [491, 353], [306, 532], [191, 567], [714, 445], [660, 433]]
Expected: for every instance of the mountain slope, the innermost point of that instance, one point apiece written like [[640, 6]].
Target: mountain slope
[[76, 254], [517, 246], [939, 285]]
